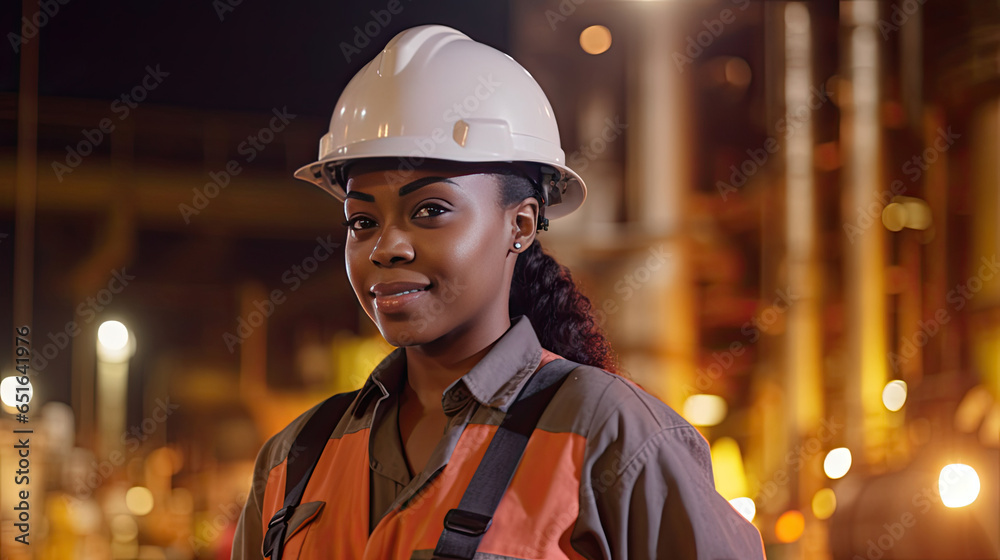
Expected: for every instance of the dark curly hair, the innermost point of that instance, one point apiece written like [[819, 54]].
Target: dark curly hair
[[544, 291]]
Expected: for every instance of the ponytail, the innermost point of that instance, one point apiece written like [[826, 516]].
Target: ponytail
[[544, 291]]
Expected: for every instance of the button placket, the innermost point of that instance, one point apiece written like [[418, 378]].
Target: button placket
[[439, 459]]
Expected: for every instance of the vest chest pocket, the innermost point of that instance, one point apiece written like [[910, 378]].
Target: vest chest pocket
[[298, 527]]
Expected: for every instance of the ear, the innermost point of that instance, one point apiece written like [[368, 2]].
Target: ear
[[524, 224]]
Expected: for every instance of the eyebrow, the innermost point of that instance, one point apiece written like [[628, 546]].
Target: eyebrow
[[405, 189]]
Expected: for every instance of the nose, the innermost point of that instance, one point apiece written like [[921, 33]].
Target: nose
[[392, 246]]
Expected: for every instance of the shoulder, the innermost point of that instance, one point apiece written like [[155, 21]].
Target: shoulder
[[278, 447], [612, 400], [621, 419]]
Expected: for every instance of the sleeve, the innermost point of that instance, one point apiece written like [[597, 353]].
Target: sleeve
[[661, 502], [249, 535]]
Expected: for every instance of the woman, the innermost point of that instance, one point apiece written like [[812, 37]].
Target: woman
[[446, 155]]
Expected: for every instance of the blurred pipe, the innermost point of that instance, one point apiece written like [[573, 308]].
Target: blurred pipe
[[112, 403], [659, 178], [659, 146], [27, 175], [802, 341], [770, 417], [866, 364], [253, 350], [943, 354], [912, 65], [979, 270], [909, 311], [985, 143], [113, 250], [112, 392], [802, 351], [83, 384]]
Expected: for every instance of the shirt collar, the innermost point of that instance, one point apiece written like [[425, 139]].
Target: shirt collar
[[495, 381]]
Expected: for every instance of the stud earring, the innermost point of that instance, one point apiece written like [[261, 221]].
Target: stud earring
[[517, 245]]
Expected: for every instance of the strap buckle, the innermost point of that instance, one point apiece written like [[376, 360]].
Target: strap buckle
[[276, 527], [281, 516], [467, 522]]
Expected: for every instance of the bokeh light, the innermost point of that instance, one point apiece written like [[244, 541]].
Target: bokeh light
[[746, 507], [837, 462], [727, 468], [123, 528], [595, 39], [9, 392], [705, 410], [738, 72], [112, 335], [894, 395], [139, 500], [789, 526], [894, 216], [824, 503], [959, 485]]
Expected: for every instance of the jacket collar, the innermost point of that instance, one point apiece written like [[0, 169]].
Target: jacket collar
[[495, 381]]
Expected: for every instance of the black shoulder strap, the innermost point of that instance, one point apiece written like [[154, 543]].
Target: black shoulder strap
[[465, 525], [299, 464]]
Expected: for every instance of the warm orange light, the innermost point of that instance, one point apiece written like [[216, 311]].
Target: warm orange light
[[789, 526], [595, 39]]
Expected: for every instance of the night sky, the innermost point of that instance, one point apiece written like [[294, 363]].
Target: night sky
[[252, 56]]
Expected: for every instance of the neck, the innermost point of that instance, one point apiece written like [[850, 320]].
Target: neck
[[432, 367]]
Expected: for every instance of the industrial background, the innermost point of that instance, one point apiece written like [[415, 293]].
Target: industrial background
[[791, 237]]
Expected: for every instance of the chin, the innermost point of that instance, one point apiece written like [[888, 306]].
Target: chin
[[403, 339], [404, 333]]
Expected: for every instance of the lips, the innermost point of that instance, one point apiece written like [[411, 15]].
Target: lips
[[396, 297], [396, 288]]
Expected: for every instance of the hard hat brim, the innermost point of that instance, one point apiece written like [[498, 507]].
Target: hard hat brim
[[572, 198]]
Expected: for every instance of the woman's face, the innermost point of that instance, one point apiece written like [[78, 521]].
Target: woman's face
[[438, 232]]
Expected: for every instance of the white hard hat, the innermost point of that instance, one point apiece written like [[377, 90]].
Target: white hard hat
[[434, 93]]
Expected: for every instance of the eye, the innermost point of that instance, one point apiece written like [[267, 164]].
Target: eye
[[430, 207], [349, 224], [434, 208]]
